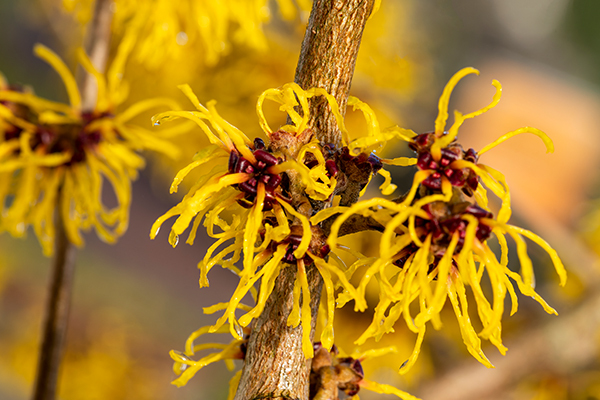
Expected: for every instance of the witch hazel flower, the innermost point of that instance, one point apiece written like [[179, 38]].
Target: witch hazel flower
[[245, 204], [169, 28], [435, 238], [60, 155]]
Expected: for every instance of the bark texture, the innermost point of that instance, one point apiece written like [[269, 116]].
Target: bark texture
[[328, 56], [275, 366]]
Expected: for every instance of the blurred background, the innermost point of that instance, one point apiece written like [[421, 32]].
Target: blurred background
[[136, 300]]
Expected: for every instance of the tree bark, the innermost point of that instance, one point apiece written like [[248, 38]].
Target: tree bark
[[328, 56], [275, 366]]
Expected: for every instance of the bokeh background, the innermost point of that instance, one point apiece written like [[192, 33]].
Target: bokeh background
[[136, 300]]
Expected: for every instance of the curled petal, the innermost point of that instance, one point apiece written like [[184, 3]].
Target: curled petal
[[59, 66], [547, 141], [440, 122]]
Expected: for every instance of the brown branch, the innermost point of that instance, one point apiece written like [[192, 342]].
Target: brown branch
[[328, 57], [56, 314], [275, 366]]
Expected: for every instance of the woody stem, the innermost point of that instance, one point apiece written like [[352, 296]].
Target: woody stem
[[275, 365], [56, 313]]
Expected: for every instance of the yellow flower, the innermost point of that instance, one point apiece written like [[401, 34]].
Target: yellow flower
[[435, 240], [171, 28], [53, 152], [245, 204]]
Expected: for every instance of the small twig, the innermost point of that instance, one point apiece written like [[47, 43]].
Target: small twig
[[63, 265]]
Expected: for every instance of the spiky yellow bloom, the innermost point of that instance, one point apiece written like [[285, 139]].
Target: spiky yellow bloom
[[170, 27], [60, 155], [435, 241], [246, 206]]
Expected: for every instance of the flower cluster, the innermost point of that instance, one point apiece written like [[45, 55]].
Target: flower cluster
[[285, 203], [56, 156], [247, 206], [443, 168], [257, 172], [442, 222], [435, 240]]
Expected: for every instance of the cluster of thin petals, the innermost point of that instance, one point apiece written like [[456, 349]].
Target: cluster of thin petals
[[436, 239], [168, 28], [244, 203], [56, 156]]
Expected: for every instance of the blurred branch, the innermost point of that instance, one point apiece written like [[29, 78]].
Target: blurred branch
[[63, 266], [354, 224], [566, 344], [56, 313], [97, 46]]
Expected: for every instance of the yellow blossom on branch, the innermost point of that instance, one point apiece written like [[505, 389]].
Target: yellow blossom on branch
[[435, 240], [246, 206]]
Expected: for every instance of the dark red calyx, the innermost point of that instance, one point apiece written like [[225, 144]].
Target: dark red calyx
[[425, 161], [422, 142], [353, 364], [463, 178], [471, 156], [433, 181], [443, 223]]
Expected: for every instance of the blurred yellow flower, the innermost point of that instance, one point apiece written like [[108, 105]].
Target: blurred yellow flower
[[171, 28], [59, 155]]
